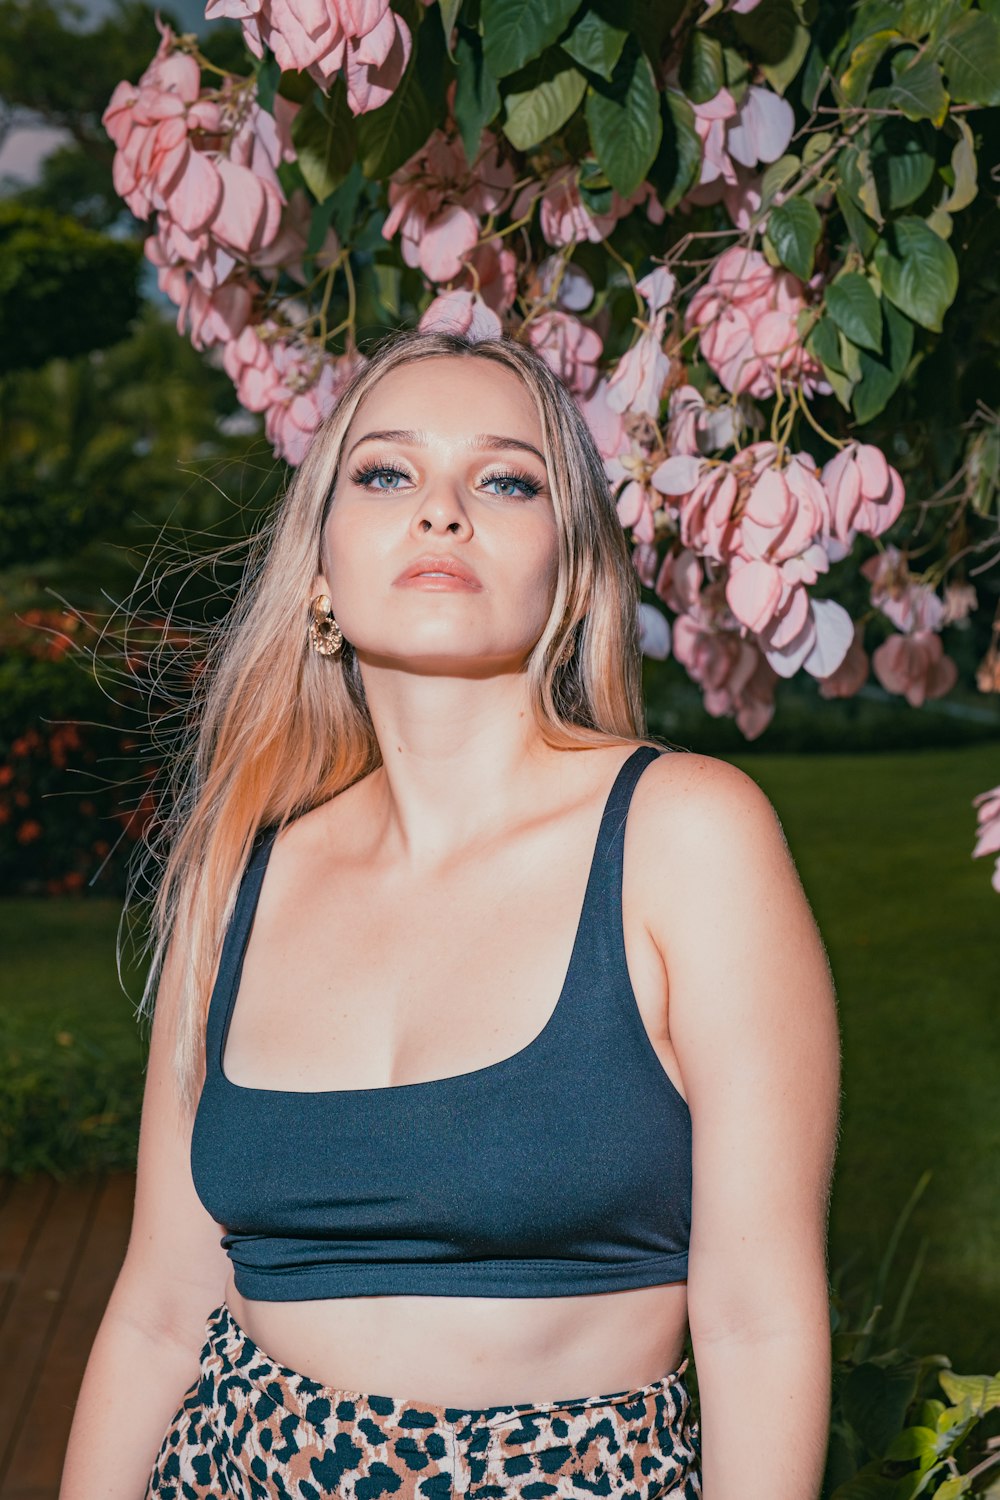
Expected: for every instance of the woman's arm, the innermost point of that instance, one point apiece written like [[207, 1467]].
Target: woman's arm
[[753, 1022], [175, 1272]]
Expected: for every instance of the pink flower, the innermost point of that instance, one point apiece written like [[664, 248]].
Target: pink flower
[[746, 315], [915, 665], [564, 217], [575, 290], [490, 269], [734, 677], [852, 673], [605, 422], [988, 829], [364, 39], [735, 139], [696, 428], [437, 201], [960, 600], [768, 524], [865, 492], [568, 347], [908, 603], [654, 633], [640, 375], [461, 312]]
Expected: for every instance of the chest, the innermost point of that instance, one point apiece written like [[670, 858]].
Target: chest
[[365, 977]]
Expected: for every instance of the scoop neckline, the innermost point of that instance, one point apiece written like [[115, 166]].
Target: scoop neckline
[[457, 1079]]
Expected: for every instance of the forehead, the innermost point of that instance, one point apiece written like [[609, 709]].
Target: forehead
[[450, 397]]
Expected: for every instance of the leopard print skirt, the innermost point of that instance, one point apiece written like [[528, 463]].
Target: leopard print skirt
[[253, 1429]]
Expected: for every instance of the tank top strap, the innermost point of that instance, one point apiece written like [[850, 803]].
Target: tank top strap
[[234, 946], [601, 927]]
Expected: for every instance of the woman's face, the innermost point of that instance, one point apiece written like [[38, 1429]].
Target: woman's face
[[442, 468]]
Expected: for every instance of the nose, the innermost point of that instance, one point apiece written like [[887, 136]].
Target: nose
[[441, 510]]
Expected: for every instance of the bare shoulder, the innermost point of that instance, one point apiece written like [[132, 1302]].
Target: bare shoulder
[[718, 888], [705, 809]]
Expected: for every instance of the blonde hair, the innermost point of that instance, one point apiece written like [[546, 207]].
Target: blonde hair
[[275, 729]]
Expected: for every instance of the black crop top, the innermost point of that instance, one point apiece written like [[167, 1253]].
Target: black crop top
[[564, 1168]]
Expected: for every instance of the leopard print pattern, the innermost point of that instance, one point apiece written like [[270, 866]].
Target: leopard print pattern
[[253, 1429]]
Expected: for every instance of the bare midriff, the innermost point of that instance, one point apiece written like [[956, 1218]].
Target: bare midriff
[[475, 1351]]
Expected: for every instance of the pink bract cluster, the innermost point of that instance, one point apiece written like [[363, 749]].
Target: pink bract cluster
[[732, 536], [746, 316], [363, 39], [988, 829], [735, 140], [437, 204], [295, 385], [912, 660], [206, 164]]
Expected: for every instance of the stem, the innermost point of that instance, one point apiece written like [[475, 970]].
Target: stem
[[814, 424]]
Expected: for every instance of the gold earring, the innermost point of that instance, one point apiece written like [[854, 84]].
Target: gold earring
[[325, 635]]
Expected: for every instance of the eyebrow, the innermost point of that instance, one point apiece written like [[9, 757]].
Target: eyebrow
[[484, 441]]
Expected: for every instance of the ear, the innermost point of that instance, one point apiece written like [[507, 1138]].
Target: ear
[[319, 586]]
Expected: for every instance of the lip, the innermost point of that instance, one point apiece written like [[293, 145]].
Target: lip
[[438, 572]]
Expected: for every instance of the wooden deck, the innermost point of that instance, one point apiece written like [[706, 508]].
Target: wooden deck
[[61, 1248]]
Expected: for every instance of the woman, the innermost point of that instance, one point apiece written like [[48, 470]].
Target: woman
[[467, 1217]]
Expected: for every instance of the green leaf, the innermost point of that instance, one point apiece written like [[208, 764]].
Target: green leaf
[[964, 170], [477, 98], [866, 1484], [595, 189], [822, 341], [595, 44], [324, 139], [387, 137], [918, 91], [539, 111], [651, 22], [854, 308], [738, 70], [918, 270], [881, 374], [780, 74], [854, 166], [982, 1390], [777, 175], [970, 57], [953, 1488], [873, 1399], [917, 17], [902, 160], [268, 78], [861, 231], [914, 1442], [515, 31], [857, 76], [773, 33], [794, 230], [679, 159], [850, 358], [449, 15], [343, 203], [624, 121], [702, 72]]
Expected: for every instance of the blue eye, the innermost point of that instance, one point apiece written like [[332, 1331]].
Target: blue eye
[[367, 477], [516, 486], [527, 486]]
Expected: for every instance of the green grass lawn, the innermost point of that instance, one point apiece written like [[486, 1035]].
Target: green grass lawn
[[882, 843], [911, 924]]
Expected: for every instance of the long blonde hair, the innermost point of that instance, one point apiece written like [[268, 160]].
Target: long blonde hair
[[274, 729]]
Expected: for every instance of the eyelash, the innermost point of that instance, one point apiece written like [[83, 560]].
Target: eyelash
[[365, 475]]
